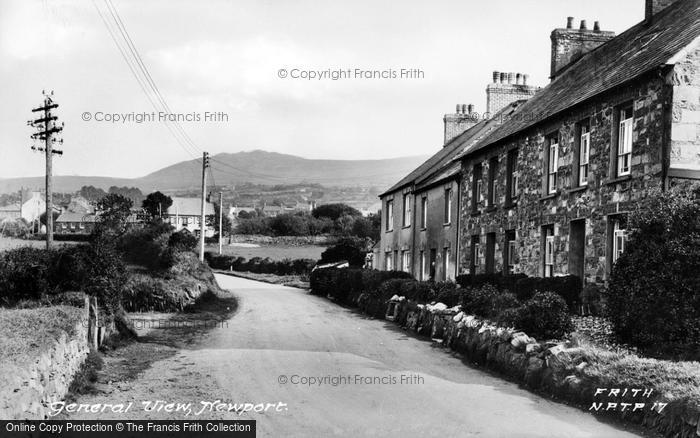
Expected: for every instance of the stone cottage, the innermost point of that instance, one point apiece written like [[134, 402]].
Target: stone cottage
[[544, 184], [548, 192]]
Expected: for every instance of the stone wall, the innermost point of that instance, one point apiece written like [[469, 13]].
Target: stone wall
[[554, 368], [604, 196], [47, 379]]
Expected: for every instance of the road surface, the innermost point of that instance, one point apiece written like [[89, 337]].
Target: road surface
[[387, 383]]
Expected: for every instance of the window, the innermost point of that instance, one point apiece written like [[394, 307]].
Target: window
[[552, 164], [406, 261], [493, 175], [510, 253], [407, 210], [448, 206], [476, 249], [619, 239], [388, 261], [445, 262], [624, 141], [424, 212], [490, 253], [584, 152], [512, 178], [389, 215], [548, 241], [476, 187], [423, 272]]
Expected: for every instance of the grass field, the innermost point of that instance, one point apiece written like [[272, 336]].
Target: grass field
[[274, 252], [11, 242]]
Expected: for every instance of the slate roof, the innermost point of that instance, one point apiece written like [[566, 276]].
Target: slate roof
[[189, 207], [638, 50], [71, 216], [440, 166]]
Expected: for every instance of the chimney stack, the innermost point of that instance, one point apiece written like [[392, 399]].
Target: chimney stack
[[653, 7], [511, 87], [496, 76], [463, 119], [569, 45]]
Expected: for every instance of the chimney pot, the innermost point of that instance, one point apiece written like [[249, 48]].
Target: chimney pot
[[496, 75], [511, 76], [525, 78], [464, 108], [518, 79], [596, 26], [584, 26], [503, 78], [570, 22], [459, 107], [470, 108]]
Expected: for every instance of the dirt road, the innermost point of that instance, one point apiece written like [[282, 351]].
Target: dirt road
[[338, 373]]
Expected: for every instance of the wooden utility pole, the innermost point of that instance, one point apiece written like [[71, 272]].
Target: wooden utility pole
[[46, 127], [202, 224], [221, 221]]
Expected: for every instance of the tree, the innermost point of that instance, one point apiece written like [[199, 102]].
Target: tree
[[113, 213], [91, 193], [225, 221], [156, 203], [351, 250], [132, 193], [334, 211], [652, 298]]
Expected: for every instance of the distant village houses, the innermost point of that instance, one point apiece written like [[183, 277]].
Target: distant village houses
[[186, 213]]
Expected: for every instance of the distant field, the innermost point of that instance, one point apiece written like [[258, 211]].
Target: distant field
[[274, 252], [11, 242]]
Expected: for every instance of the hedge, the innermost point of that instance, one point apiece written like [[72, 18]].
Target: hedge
[[259, 265], [568, 287], [544, 314]]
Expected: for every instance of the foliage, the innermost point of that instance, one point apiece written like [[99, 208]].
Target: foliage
[[147, 246], [487, 301], [569, 287], [259, 265], [91, 193], [225, 221], [352, 250], [156, 203], [545, 315], [346, 285], [334, 211], [183, 240], [114, 211], [652, 298], [131, 193], [42, 217]]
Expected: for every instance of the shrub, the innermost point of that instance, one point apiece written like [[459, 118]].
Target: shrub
[[545, 315], [487, 301], [259, 265], [652, 298], [352, 250], [25, 273], [183, 240], [147, 246]]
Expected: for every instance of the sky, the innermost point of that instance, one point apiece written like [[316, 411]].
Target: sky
[[225, 59]]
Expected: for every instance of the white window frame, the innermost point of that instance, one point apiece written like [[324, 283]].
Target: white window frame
[[446, 255], [407, 210], [493, 182], [390, 215], [619, 241], [476, 256], [584, 155], [549, 252], [512, 247], [389, 261], [424, 212], [406, 261], [552, 166], [624, 142], [448, 206]]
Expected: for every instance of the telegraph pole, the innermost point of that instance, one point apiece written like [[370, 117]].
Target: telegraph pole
[[205, 164], [221, 221], [46, 127]]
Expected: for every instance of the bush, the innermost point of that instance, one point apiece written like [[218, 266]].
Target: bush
[[345, 285], [569, 287], [183, 240], [147, 246], [545, 315], [25, 274], [652, 299], [487, 301], [351, 250], [260, 266]]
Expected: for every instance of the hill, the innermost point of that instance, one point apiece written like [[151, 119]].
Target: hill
[[257, 167]]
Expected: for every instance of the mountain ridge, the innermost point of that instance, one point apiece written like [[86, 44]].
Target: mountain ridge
[[256, 166]]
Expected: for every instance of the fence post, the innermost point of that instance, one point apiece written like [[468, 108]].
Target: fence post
[[93, 323]]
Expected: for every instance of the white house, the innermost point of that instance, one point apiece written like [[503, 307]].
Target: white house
[[186, 213]]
